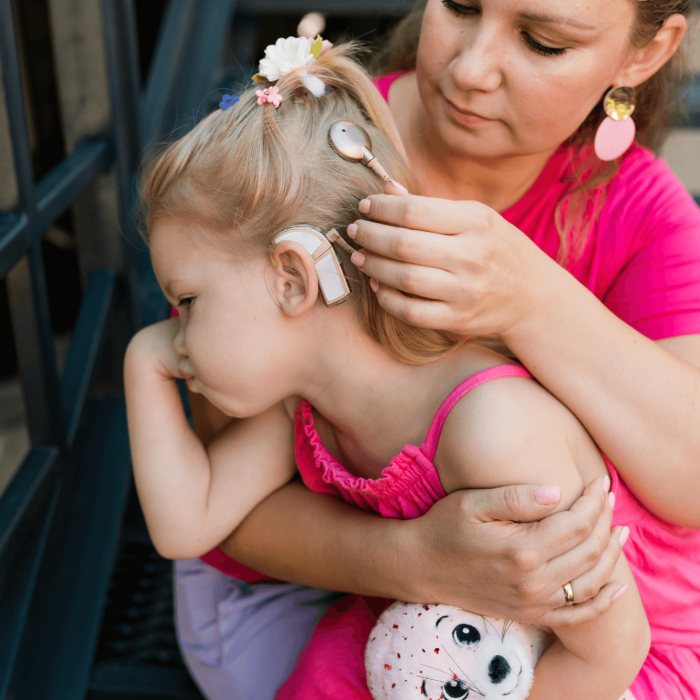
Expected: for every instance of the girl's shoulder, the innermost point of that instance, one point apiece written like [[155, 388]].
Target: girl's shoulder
[[514, 431]]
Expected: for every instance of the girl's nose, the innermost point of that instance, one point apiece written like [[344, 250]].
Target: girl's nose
[[179, 343], [477, 67]]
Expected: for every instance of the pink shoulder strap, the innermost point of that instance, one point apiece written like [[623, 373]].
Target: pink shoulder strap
[[384, 83], [430, 443]]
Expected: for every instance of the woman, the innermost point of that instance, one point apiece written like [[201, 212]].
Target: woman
[[498, 88]]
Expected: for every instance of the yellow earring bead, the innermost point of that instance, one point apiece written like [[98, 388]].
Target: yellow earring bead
[[619, 103]]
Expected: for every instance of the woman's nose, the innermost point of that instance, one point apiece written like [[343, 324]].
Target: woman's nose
[[477, 67]]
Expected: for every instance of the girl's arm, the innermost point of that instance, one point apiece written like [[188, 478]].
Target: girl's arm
[[193, 496], [522, 433], [640, 400]]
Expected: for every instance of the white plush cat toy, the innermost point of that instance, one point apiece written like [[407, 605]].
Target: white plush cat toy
[[438, 652]]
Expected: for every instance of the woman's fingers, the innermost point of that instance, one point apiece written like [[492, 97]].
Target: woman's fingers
[[400, 243], [425, 313], [562, 533], [588, 584], [593, 608], [425, 213], [427, 282]]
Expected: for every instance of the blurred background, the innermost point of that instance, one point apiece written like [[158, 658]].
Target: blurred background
[[86, 88]]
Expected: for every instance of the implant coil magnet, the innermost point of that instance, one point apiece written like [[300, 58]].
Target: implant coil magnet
[[353, 143], [331, 279]]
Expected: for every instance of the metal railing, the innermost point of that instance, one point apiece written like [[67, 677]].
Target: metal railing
[[61, 514]]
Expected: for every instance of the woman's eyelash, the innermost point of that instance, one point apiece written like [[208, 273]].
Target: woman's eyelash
[[466, 10], [185, 302], [541, 49], [459, 9]]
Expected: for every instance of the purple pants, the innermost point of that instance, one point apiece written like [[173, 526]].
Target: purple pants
[[241, 641]]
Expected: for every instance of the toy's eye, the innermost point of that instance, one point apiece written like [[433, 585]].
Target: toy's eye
[[466, 634], [457, 690]]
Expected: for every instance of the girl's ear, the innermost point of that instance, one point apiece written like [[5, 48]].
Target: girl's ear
[[292, 278], [643, 63]]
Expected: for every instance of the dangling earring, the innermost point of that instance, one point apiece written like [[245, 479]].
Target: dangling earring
[[616, 132]]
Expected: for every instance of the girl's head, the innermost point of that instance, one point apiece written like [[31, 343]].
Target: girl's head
[[243, 174]]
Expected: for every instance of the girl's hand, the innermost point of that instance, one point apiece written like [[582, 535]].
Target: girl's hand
[[467, 551], [152, 349], [477, 274]]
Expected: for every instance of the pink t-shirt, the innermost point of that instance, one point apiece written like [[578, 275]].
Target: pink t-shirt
[[642, 257]]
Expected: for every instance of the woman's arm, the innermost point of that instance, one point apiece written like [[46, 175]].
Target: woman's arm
[[193, 495], [640, 400], [534, 438]]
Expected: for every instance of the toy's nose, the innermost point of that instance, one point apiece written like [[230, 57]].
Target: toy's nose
[[499, 669]]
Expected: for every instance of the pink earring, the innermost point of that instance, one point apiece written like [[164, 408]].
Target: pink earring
[[616, 132]]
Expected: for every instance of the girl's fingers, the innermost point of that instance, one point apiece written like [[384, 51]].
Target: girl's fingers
[[426, 213], [571, 615], [405, 245]]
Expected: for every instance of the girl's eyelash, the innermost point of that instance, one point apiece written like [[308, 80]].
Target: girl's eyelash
[[466, 10]]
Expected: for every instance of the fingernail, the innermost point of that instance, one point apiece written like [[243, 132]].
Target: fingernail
[[357, 259], [606, 483], [611, 499], [399, 186], [546, 495], [620, 593], [374, 284], [363, 206], [352, 230], [624, 534]]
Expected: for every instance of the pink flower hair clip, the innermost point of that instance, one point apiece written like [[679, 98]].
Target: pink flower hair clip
[[271, 95]]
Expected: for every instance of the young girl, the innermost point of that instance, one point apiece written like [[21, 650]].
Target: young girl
[[341, 391]]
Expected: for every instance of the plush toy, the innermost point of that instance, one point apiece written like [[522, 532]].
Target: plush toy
[[438, 652]]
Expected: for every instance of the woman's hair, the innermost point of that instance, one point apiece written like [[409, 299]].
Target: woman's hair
[[657, 100], [247, 172]]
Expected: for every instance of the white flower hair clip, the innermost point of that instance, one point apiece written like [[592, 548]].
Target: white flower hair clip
[[293, 53]]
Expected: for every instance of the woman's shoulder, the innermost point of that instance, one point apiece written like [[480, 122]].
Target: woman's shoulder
[[384, 83], [647, 192]]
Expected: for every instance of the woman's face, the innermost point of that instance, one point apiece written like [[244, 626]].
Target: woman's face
[[501, 78]]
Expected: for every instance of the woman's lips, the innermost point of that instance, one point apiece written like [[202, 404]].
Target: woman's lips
[[465, 117]]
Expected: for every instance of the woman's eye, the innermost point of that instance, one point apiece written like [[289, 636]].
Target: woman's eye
[[458, 9], [187, 301], [541, 48]]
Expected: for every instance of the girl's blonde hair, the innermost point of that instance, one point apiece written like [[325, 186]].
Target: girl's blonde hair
[[247, 172]]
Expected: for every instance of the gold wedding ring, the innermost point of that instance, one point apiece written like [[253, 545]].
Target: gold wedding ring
[[568, 593]]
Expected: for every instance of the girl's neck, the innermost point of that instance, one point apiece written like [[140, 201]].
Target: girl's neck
[[371, 402], [496, 182]]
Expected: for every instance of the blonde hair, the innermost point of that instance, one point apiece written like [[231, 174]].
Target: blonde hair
[[249, 171]]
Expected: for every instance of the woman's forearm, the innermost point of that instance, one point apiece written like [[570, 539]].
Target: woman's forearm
[[313, 539], [640, 402]]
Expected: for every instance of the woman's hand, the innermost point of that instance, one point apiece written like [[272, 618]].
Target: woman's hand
[[482, 276], [468, 552]]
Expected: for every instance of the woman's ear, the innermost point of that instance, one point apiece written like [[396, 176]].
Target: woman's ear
[[644, 62], [292, 278]]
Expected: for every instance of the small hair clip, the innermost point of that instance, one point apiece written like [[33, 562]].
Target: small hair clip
[[271, 95], [228, 101]]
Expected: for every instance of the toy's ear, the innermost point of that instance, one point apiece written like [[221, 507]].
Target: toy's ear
[[292, 278]]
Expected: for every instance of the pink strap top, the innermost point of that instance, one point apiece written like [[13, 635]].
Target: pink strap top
[[410, 485]]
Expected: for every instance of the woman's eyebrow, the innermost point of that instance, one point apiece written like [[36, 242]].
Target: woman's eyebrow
[[546, 19]]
